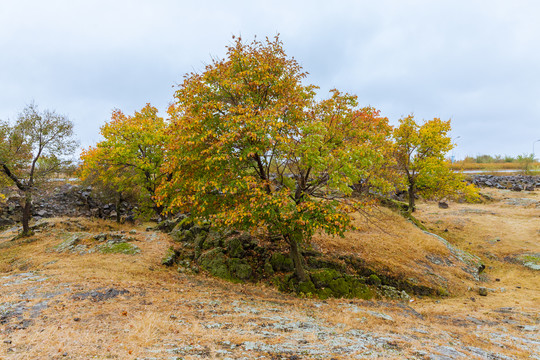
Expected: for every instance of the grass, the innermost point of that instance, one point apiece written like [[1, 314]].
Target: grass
[[164, 307], [460, 165]]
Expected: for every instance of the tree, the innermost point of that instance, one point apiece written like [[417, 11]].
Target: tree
[[420, 154], [130, 157], [32, 149], [250, 148]]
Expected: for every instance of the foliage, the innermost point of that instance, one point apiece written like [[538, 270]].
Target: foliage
[[33, 149], [130, 157], [489, 159], [420, 155], [526, 161], [251, 148]]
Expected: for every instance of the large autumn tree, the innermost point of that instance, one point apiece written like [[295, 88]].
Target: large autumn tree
[[130, 157], [420, 152], [250, 148], [33, 148]]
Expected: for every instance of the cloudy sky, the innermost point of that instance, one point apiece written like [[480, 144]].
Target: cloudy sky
[[475, 62]]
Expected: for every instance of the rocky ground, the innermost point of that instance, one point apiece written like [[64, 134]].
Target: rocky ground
[[83, 289]]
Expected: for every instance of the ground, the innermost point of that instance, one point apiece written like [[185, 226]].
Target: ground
[[77, 301]]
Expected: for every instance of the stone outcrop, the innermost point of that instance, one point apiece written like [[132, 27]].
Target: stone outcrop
[[65, 200], [509, 182]]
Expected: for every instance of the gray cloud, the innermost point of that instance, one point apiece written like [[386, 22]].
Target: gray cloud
[[477, 64]]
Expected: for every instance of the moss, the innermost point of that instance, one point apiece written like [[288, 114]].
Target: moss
[[240, 269], [215, 262], [212, 240], [281, 262], [119, 248], [374, 280], [531, 258], [316, 263], [442, 291], [340, 287], [170, 257], [306, 287], [324, 293], [361, 291], [268, 269], [322, 278], [235, 248]]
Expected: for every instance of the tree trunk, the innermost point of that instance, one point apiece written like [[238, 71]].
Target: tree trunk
[[297, 259], [27, 213], [411, 193], [117, 205]]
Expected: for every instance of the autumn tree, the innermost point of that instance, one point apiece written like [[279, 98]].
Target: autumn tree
[[250, 148], [130, 157], [32, 149], [420, 154]]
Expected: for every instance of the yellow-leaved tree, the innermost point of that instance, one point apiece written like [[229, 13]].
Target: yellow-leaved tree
[[130, 157], [420, 152], [251, 148]]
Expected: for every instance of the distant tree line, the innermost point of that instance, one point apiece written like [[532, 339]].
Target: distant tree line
[[498, 159]]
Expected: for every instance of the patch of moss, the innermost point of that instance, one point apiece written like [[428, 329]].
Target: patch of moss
[[170, 257], [240, 269], [322, 278], [340, 287], [281, 262], [119, 248], [235, 248], [326, 283], [374, 280], [306, 287], [531, 258]]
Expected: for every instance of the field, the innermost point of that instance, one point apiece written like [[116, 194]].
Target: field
[[494, 166], [83, 303]]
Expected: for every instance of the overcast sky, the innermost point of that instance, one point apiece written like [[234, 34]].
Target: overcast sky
[[474, 62]]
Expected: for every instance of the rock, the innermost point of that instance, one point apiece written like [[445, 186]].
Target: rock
[[482, 291], [443, 205], [170, 257], [281, 262], [381, 315], [235, 248]]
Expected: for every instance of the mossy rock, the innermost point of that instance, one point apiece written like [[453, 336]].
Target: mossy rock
[[268, 269], [306, 287], [361, 291], [199, 240], [212, 240], [215, 262], [211, 258], [393, 293], [281, 262], [374, 280], [119, 248], [171, 256], [317, 263], [322, 278], [240, 269], [248, 242], [340, 287], [235, 248]]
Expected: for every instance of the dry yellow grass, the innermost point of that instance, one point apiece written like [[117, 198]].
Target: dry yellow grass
[[458, 165], [200, 313]]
